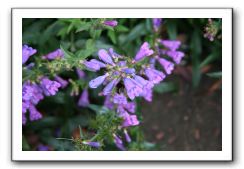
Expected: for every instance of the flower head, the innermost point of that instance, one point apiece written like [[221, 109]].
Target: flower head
[[31, 93], [172, 45], [49, 87], [60, 80], [27, 52], [143, 51]]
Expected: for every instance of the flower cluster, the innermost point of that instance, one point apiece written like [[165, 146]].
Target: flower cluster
[[126, 78], [211, 30], [33, 93]]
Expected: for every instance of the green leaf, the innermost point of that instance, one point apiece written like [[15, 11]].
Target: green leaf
[[215, 74], [172, 29], [210, 58], [112, 36], [165, 87], [98, 109], [67, 54], [121, 28], [25, 145], [137, 31], [83, 26]]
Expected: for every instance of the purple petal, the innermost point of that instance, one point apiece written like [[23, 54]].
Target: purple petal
[[119, 99], [110, 86], [63, 82], [171, 44], [92, 144], [34, 114], [132, 87], [101, 64], [57, 54], [144, 51], [108, 103], [167, 65], [84, 100], [127, 136], [49, 87], [27, 52], [104, 56], [111, 23], [81, 74], [97, 81], [156, 23], [91, 66], [130, 107], [176, 56]]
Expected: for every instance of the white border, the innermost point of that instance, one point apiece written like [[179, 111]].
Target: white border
[[225, 154]]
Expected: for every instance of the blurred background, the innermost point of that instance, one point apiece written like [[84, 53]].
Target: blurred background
[[186, 111]]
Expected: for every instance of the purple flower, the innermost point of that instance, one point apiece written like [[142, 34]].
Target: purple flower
[[144, 51], [63, 82], [110, 86], [108, 103], [84, 100], [171, 44], [119, 99], [97, 81], [34, 114], [152, 62], [133, 88], [129, 70], [57, 54], [176, 56], [81, 74], [147, 95], [122, 63], [31, 93], [119, 143], [111, 23], [92, 66], [42, 148], [145, 83], [113, 54], [127, 136], [92, 144], [121, 110], [25, 106], [130, 107], [27, 52], [154, 75], [156, 23], [130, 120], [49, 87], [104, 56], [167, 65]]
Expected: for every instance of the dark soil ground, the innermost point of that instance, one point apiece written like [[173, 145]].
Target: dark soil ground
[[188, 120]]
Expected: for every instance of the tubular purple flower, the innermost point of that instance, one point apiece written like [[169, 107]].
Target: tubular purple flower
[[57, 54], [167, 65], [97, 81], [171, 44], [101, 64], [133, 88], [31, 93], [152, 62], [60, 80], [91, 66], [34, 114], [154, 75], [84, 100], [156, 23], [145, 83], [119, 143], [104, 56], [49, 87], [130, 120], [27, 52], [130, 107], [108, 103], [110, 86], [127, 136], [176, 56], [81, 74], [122, 63], [121, 111], [92, 144], [119, 99], [147, 95], [111, 23], [144, 51]]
